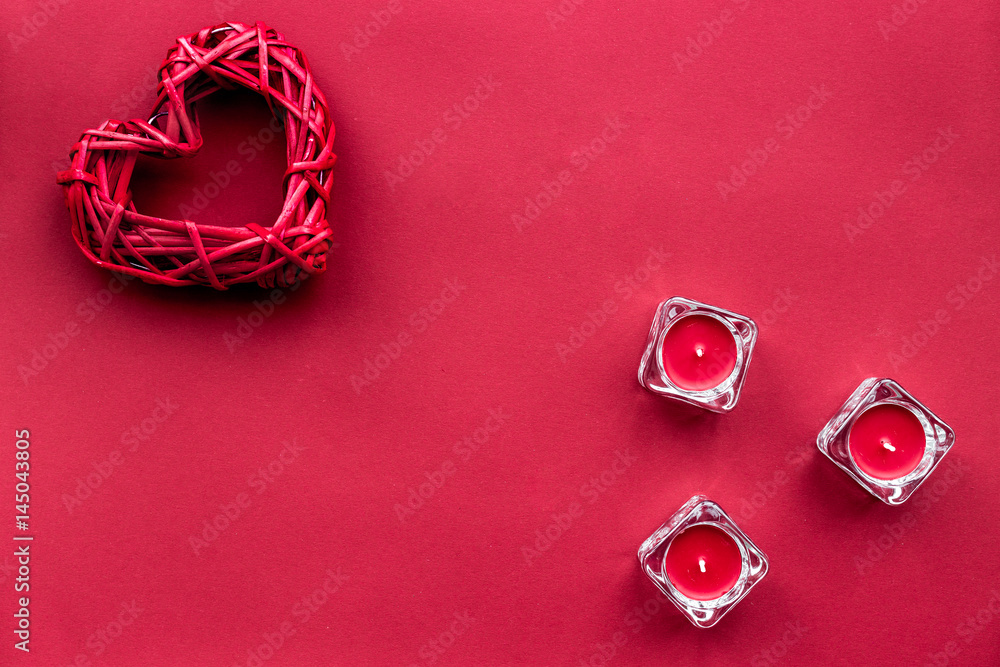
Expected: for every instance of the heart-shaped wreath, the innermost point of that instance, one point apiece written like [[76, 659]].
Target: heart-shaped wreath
[[114, 235]]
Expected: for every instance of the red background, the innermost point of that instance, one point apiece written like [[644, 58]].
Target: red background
[[853, 301]]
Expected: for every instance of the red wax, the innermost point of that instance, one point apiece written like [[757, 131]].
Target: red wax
[[699, 352], [887, 441], [703, 562]]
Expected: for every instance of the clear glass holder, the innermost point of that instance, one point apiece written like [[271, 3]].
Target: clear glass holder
[[701, 510], [833, 440], [653, 376]]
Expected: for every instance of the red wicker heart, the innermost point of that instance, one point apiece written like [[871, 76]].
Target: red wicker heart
[[114, 235]]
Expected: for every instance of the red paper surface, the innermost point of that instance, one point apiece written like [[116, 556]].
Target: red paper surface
[[545, 334]]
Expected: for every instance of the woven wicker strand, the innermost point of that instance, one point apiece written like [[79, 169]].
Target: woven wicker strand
[[114, 235]]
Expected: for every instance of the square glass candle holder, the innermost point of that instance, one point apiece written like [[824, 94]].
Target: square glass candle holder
[[697, 354], [886, 440], [702, 561]]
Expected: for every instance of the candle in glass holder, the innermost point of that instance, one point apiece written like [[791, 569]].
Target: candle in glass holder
[[887, 441], [699, 352], [703, 562]]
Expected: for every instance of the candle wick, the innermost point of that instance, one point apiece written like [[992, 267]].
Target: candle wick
[[701, 564], [888, 445], [699, 352]]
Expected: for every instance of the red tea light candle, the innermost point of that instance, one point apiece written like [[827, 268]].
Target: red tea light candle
[[698, 352], [703, 562], [887, 441]]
